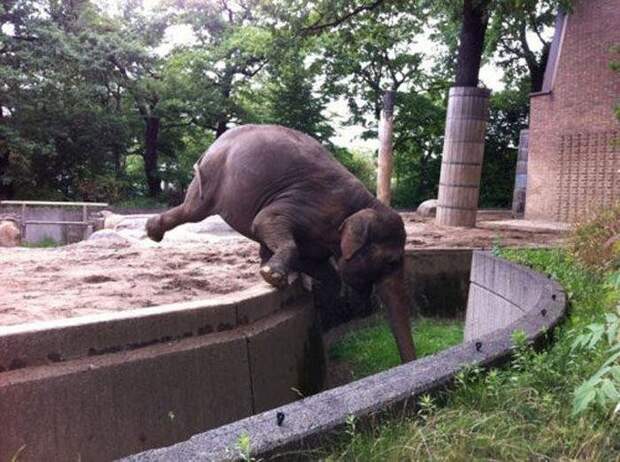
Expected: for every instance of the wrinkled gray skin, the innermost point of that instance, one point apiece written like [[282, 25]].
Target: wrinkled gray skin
[[284, 190]]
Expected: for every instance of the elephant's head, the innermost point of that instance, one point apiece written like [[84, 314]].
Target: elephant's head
[[372, 245]]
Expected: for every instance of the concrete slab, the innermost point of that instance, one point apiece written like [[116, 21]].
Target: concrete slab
[[290, 337], [526, 225], [101, 408], [60, 340], [438, 281]]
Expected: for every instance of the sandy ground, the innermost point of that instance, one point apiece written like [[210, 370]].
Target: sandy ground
[[114, 273]]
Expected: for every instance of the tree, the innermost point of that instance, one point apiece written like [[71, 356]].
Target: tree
[[508, 113], [58, 109], [513, 26], [286, 95], [368, 61], [417, 145], [232, 46]]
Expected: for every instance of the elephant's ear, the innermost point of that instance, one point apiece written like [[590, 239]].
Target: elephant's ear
[[355, 233]]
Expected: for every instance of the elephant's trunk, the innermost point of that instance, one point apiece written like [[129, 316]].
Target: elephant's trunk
[[393, 294]]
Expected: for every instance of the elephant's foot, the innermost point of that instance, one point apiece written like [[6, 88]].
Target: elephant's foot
[[275, 277], [154, 228]]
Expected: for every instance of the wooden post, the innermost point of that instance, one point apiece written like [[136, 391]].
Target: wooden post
[[23, 222], [85, 220], [463, 150], [518, 195], [386, 161]]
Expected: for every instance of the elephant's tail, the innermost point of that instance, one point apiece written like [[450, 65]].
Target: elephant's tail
[[198, 176]]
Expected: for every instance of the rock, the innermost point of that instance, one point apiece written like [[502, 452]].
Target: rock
[[110, 220], [109, 235], [428, 208], [10, 235]]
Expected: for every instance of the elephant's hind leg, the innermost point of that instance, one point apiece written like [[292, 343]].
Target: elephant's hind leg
[[273, 230], [193, 209]]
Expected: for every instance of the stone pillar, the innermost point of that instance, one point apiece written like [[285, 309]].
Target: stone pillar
[[386, 160], [518, 195], [463, 150]]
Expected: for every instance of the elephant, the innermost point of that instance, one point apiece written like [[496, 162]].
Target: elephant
[[284, 190]]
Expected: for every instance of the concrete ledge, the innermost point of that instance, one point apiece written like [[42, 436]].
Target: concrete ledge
[[309, 421], [39, 343], [123, 383]]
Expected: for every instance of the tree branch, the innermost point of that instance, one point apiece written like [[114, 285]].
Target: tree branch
[[319, 26]]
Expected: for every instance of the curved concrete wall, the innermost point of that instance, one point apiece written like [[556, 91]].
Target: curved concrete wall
[[504, 298], [100, 387]]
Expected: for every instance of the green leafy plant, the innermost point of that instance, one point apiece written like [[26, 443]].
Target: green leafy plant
[[603, 387], [523, 410], [244, 447], [595, 242]]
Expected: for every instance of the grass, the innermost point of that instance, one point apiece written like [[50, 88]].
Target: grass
[[372, 349], [46, 242], [522, 411]]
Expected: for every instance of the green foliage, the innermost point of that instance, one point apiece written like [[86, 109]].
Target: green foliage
[[603, 388], [522, 411], [288, 98], [359, 164], [372, 349], [596, 241], [418, 142], [244, 448], [92, 107], [141, 202], [508, 112]]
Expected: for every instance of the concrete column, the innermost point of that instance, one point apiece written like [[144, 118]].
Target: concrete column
[[463, 150], [518, 195]]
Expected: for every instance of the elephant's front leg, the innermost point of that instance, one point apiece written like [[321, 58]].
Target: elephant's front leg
[[193, 209], [274, 231]]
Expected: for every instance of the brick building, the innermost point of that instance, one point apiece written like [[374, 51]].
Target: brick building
[[573, 161]]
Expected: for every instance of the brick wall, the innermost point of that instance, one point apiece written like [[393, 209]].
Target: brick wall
[[574, 165]]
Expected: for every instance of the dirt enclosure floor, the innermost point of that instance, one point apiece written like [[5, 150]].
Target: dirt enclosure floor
[[117, 271]]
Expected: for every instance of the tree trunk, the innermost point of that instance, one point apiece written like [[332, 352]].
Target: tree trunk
[[386, 160], [471, 43], [6, 187], [537, 71], [221, 126], [151, 135]]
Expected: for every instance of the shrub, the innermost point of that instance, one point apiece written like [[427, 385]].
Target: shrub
[[595, 242], [359, 165]]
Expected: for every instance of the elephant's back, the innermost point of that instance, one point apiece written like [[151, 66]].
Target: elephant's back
[[250, 166], [249, 143]]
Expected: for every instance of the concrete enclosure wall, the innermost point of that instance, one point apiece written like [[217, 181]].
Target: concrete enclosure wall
[[62, 234], [438, 281], [504, 298], [100, 387]]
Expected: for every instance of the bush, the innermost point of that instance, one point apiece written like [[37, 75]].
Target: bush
[[102, 188], [595, 242], [359, 165]]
